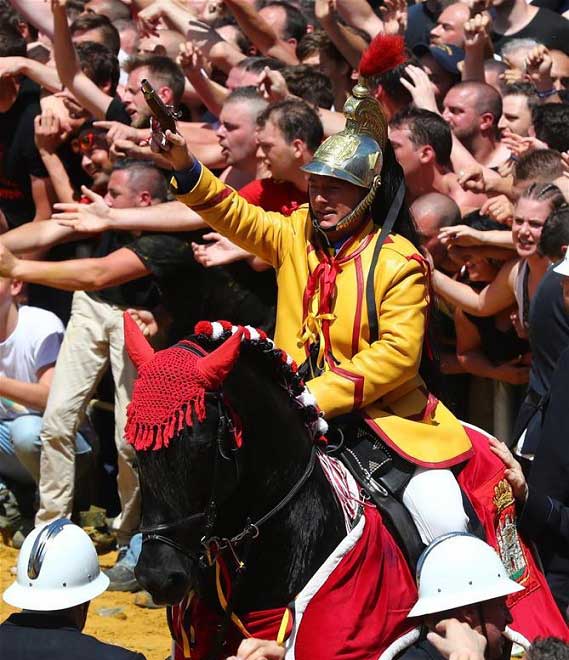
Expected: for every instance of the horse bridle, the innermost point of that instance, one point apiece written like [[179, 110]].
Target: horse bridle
[[225, 437]]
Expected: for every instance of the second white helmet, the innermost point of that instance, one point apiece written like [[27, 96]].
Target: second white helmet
[[57, 568], [459, 569]]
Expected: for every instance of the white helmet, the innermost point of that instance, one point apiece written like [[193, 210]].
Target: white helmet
[[57, 568], [459, 569]]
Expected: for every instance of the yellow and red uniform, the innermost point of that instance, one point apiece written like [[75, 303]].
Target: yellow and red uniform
[[321, 297]]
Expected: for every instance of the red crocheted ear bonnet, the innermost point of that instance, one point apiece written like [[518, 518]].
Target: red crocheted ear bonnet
[[171, 385]]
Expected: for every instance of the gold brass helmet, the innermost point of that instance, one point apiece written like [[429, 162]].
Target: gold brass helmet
[[355, 154]]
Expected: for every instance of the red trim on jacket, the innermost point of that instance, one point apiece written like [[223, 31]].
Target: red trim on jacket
[[357, 380], [359, 304]]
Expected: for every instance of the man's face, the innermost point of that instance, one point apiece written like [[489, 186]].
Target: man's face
[[450, 25], [278, 156], [332, 199], [461, 114], [407, 153], [560, 69], [133, 98], [516, 115], [442, 80], [236, 133], [529, 217], [120, 194], [496, 617]]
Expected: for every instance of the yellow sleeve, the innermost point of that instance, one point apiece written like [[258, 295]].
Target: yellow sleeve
[[265, 234], [387, 363]]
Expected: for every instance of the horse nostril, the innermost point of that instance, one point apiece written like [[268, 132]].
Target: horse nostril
[[176, 580]]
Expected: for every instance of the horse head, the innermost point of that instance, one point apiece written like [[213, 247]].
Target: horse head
[[202, 480]]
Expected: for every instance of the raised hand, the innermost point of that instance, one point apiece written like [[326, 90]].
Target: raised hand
[[499, 208], [145, 320], [48, 135], [420, 87], [472, 178], [394, 16], [192, 60], [476, 32], [538, 66], [514, 473], [8, 262], [272, 85]]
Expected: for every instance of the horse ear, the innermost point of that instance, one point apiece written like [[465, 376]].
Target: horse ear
[[216, 366], [138, 348]]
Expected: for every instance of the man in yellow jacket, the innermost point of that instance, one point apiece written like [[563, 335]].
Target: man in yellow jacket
[[352, 297]]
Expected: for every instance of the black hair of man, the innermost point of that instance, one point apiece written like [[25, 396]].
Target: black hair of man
[[426, 128], [487, 100], [548, 648], [554, 236], [162, 71], [144, 175], [99, 64], [296, 121], [308, 45], [254, 64], [295, 24], [12, 44], [551, 125], [309, 84], [522, 89], [109, 33], [543, 165], [390, 82]]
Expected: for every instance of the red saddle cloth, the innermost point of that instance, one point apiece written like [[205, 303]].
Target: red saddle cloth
[[534, 610], [357, 603]]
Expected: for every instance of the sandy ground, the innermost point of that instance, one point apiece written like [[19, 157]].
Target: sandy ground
[[145, 631]]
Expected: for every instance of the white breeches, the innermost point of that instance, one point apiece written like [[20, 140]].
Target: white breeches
[[434, 500]]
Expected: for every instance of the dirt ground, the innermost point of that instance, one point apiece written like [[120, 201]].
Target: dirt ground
[[145, 631]]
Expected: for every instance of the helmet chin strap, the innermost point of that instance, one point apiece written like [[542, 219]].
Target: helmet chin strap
[[350, 221]]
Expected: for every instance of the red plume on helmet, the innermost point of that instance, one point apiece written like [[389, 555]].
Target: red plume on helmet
[[138, 348], [384, 53], [215, 367]]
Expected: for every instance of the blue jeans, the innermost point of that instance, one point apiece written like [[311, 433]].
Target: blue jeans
[[132, 554], [20, 448]]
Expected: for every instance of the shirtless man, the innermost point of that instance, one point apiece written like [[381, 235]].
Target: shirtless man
[[422, 142]]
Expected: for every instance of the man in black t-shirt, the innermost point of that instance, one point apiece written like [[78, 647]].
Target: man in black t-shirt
[[141, 272], [515, 19], [25, 188]]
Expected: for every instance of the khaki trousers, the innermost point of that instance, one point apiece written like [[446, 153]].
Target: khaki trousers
[[94, 337]]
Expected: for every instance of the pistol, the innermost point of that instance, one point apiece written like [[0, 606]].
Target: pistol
[[164, 115]]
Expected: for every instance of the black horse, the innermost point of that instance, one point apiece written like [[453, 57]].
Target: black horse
[[201, 471], [258, 500]]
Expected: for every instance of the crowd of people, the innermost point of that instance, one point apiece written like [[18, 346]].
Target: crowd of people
[[478, 121]]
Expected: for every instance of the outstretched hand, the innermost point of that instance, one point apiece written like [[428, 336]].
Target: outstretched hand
[[513, 473], [90, 218], [419, 85], [219, 251]]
